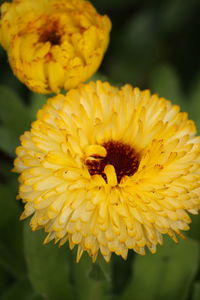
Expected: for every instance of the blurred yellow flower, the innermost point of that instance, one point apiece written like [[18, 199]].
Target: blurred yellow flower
[[109, 169], [53, 44]]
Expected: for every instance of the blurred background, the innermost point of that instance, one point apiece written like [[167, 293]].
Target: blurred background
[[155, 45]]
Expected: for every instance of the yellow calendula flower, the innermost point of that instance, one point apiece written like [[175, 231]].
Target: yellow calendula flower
[[53, 44], [109, 170]]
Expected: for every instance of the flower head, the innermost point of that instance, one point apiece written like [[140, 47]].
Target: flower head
[[53, 44], [109, 169]]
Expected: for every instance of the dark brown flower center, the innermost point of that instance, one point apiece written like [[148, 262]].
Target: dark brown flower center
[[122, 156], [51, 34]]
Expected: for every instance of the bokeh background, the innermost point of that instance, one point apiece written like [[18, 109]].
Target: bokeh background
[[155, 45]]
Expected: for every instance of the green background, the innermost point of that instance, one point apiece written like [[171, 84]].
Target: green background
[[154, 44]]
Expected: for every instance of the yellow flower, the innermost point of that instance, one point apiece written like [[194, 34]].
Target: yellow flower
[[53, 44], [109, 169]]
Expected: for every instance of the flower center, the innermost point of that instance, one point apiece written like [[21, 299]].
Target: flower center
[[51, 34], [121, 156]]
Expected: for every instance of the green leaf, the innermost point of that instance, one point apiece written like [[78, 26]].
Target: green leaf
[[194, 105], [8, 261], [4, 280], [112, 4], [10, 140], [90, 280], [12, 109], [165, 82], [105, 268], [96, 273], [14, 119], [48, 266], [172, 15], [97, 76], [194, 228], [196, 291], [166, 275], [8, 204], [134, 50], [11, 249], [102, 77], [36, 103], [36, 297], [7, 176], [20, 290], [121, 272]]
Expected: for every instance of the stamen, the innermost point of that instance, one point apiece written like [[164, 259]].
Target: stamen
[[121, 156], [51, 34]]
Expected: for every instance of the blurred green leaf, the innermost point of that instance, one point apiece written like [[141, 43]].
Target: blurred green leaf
[[36, 297], [8, 261], [1, 49], [96, 273], [172, 15], [11, 248], [9, 140], [135, 49], [8, 204], [48, 266], [14, 119], [196, 291], [105, 267], [121, 272], [20, 290], [36, 103], [90, 281], [166, 275], [5, 279], [14, 83], [112, 4], [98, 76], [7, 177], [194, 105], [12, 109], [165, 82], [194, 227]]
